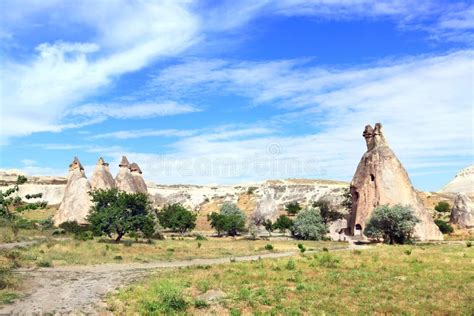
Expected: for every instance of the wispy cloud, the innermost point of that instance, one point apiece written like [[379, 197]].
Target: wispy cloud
[[425, 103], [145, 133], [131, 111], [37, 93]]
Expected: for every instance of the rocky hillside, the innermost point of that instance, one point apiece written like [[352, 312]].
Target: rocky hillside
[[463, 182]]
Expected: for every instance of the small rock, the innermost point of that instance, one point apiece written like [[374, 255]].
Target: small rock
[[211, 296]]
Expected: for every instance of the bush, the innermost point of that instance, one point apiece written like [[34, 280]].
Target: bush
[[302, 248], [394, 224], [200, 304], [291, 265], [309, 225], [328, 261], [293, 208], [73, 227], [328, 213], [443, 207], [230, 220], [200, 237], [86, 235], [283, 223], [468, 244], [44, 263], [118, 212], [444, 226], [251, 190], [177, 218], [269, 247]]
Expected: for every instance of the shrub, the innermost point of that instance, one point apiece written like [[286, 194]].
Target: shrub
[[290, 265], [444, 226], [328, 213], [268, 226], [200, 304], [251, 190], [177, 218], [302, 248], [87, 235], [200, 237], [44, 263], [283, 223], [408, 252], [328, 261], [309, 225], [118, 212], [468, 244], [269, 247], [73, 227], [230, 220], [293, 208], [442, 207], [392, 224]]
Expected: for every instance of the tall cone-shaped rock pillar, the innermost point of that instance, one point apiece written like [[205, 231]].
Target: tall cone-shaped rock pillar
[[380, 179], [136, 172], [76, 202], [124, 180], [101, 178]]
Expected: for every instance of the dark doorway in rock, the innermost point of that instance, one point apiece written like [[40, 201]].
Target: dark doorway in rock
[[358, 230], [372, 177]]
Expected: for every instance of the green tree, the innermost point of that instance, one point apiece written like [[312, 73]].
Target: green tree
[[328, 213], [230, 219], [395, 224], [442, 207], [283, 223], [293, 208], [309, 225], [268, 226], [11, 206], [118, 212], [177, 218]]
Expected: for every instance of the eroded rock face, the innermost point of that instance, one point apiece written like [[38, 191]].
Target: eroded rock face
[[463, 212], [136, 172], [101, 178], [462, 183], [124, 180], [381, 179], [76, 202]]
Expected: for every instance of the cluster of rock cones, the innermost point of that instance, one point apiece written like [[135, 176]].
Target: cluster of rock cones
[[76, 202]]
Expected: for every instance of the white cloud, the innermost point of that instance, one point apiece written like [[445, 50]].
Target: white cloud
[[137, 110], [36, 94], [144, 133], [425, 104]]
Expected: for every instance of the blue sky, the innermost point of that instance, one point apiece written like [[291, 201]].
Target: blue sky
[[236, 91]]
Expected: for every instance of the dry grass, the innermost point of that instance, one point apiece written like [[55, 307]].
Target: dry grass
[[74, 252], [418, 280]]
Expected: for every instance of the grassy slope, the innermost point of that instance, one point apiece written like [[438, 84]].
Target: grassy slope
[[428, 279], [70, 252]]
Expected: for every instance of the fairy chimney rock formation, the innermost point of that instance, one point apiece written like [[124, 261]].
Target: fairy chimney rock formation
[[463, 212], [101, 178], [124, 180], [381, 179], [76, 202], [136, 172]]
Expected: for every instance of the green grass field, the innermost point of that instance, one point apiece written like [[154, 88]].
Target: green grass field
[[75, 252], [421, 280]]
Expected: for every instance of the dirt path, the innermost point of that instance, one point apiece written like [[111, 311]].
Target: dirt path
[[81, 289]]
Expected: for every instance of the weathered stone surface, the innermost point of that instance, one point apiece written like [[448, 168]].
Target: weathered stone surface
[[337, 230], [463, 212], [462, 183], [76, 202], [124, 180], [136, 172], [212, 296], [101, 178], [381, 179]]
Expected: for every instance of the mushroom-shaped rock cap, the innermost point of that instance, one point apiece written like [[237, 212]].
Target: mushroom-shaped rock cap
[[75, 164], [134, 167], [124, 162], [102, 162]]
